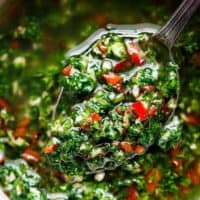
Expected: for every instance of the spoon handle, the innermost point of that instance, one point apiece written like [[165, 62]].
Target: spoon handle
[[170, 31]]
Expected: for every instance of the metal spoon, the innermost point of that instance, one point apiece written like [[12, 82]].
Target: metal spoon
[[166, 35]]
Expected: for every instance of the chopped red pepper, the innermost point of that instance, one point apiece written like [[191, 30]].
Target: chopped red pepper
[[138, 149], [95, 117], [3, 124], [136, 54], [31, 155], [34, 136], [20, 132], [123, 65], [62, 176], [67, 71], [192, 119], [132, 193], [4, 104], [112, 78], [152, 179], [15, 44], [85, 127], [103, 48], [192, 176], [169, 197], [140, 110], [25, 122], [34, 139], [22, 128], [127, 147], [175, 151], [193, 173], [178, 163], [137, 59], [183, 190], [119, 88], [148, 88], [152, 110], [50, 149]]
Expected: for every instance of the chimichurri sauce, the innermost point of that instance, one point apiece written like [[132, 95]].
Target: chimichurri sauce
[[117, 101], [126, 98]]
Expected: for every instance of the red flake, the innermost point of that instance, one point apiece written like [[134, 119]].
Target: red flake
[[175, 151], [152, 110], [140, 110], [152, 179], [103, 48], [4, 104], [3, 124], [193, 173], [31, 155], [165, 109], [85, 127], [95, 117], [15, 44], [127, 147], [137, 59], [50, 149], [123, 65], [119, 88], [20, 132], [132, 193], [148, 88], [67, 71], [138, 149], [183, 190], [135, 53], [112, 78], [24, 123], [192, 119]]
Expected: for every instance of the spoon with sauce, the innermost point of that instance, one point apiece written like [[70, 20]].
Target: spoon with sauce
[[126, 82], [165, 35]]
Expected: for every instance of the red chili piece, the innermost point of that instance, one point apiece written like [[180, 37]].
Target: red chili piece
[[140, 110], [67, 71], [152, 179], [31, 155], [112, 78], [50, 149], [95, 117], [132, 193], [135, 53], [125, 146], [123, 65]]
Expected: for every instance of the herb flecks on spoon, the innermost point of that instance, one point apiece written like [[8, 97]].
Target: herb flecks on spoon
[[122, 98]]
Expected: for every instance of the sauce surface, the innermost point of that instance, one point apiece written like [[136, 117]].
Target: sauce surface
[[93, 113], [123, 98]]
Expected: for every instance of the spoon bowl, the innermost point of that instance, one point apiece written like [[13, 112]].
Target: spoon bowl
[[130, 33], [164, 36], [125, 30]]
